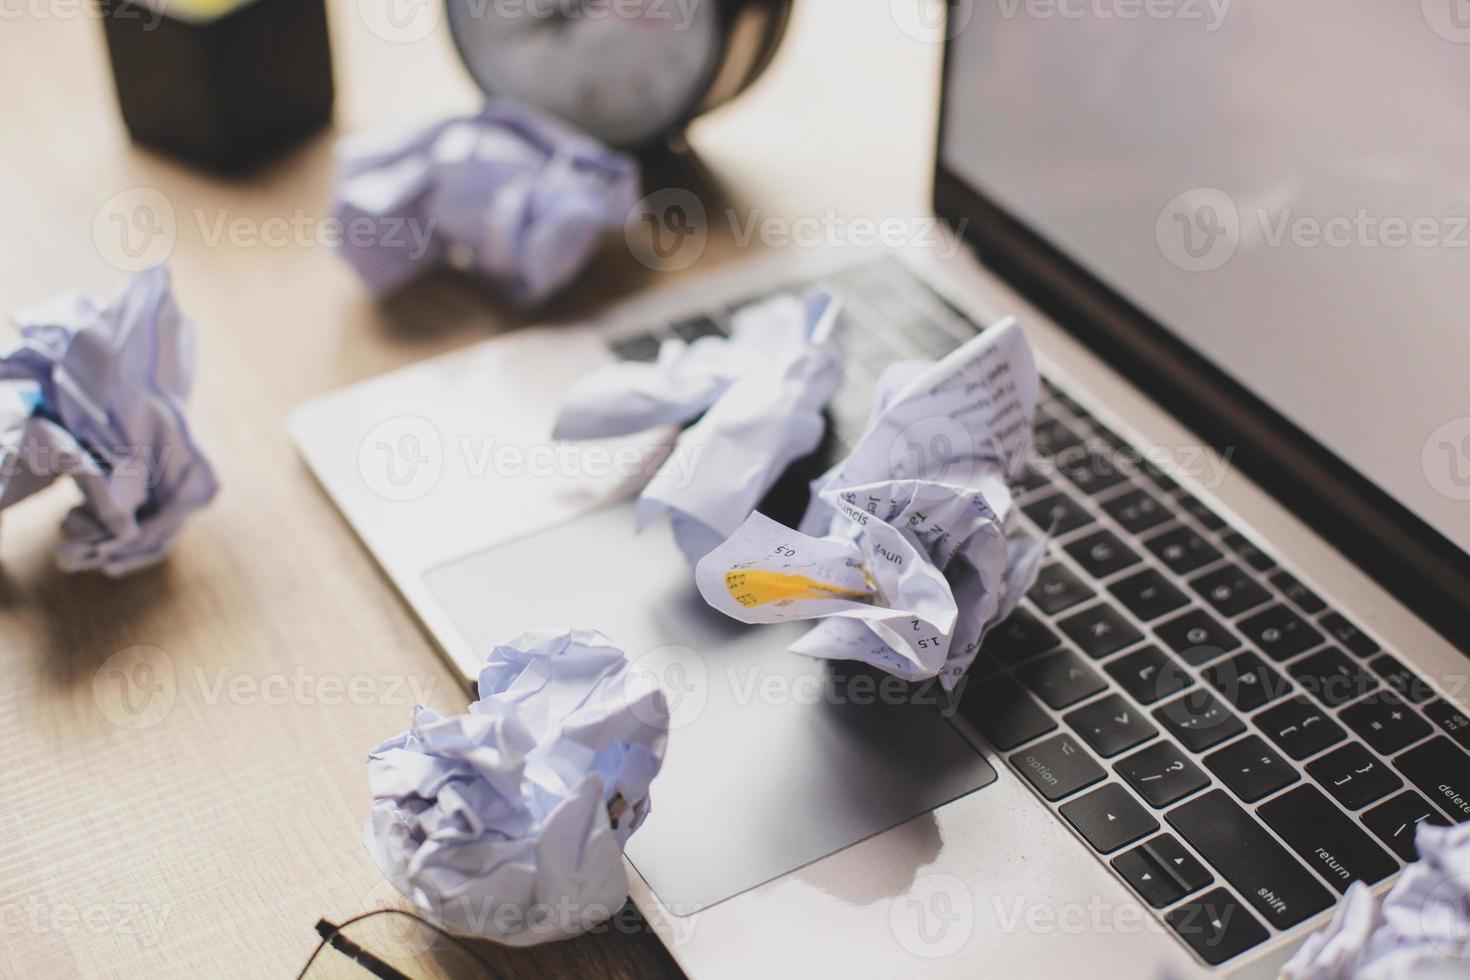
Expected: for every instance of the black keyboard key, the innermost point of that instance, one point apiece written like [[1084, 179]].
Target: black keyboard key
[[1058, 767], [1384, 722], [1004, 712], [1330, 842], [1197, 509], [1061, 678], [1091, 471], [1410, 685], [1197, 637], [1248, 552], [1159, 478], [1110, 725], [1057, 513], [1051, 436], [1251, 769], [1057, 588], [1454, 721], [1185, 868], [1291, 587], [1299, 728], [1353, 776], [1198, 721], [1216, 926], [1332, 678], [1149, 674], [1397, 820], [1101, 553], [1279, 633], [1442, 773], [1230, 589], [1147, 594], [640, 347], [1108, 818], [1246, 681], [1137, 510], [1100, 630], [1020, 637], [1033, 476], [1230, 841], [693, 329], [1358, 642], [1146, 878], [1182, 550], [1161, 774]]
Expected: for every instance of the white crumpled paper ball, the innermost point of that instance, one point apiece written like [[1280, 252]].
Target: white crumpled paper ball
[[509, 822]]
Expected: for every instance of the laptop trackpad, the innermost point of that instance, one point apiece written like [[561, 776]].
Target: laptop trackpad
[[774, 759]]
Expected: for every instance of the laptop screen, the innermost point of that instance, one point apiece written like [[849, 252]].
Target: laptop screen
[[1285, 187]]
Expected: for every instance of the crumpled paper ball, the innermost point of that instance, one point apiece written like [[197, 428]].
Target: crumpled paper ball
[[760, 391], [509, 822], [1421, 931], [908, 553], [97, 391], [509, 193]]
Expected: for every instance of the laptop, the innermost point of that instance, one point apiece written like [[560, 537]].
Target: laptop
[[1238, 683]]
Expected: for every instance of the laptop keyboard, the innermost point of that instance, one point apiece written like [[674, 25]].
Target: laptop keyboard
[[1234, 748]]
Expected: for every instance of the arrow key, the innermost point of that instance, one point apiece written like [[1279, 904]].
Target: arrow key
[[1147, 878], [1109, 818]]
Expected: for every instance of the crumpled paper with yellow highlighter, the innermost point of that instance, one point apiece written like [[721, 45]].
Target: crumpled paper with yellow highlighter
[[906, 556]]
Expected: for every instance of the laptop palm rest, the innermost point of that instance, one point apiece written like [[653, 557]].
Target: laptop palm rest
[[774, 759]]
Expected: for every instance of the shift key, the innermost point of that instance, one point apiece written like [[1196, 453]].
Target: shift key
[[1265, 873], [1442, 773]]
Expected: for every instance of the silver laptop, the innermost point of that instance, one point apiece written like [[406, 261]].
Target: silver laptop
[[1236, 236]]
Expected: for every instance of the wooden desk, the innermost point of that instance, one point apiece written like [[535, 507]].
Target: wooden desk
[[209, 842]]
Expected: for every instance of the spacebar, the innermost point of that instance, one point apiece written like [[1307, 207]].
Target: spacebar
[[1264, 872]]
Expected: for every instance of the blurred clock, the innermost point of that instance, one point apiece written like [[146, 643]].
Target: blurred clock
[[631, 72]]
